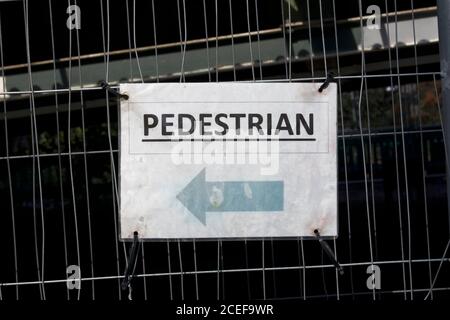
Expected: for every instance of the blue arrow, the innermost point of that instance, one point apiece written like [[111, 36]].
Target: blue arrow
[[201, 196]]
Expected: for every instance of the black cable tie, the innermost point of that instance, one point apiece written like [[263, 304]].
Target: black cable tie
[[328, 251], [330, 78], [105, 85], [129, 271]]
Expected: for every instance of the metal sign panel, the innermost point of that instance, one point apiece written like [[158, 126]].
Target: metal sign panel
[[228, 160]]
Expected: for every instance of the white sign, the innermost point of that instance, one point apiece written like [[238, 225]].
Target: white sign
[[228, 160]]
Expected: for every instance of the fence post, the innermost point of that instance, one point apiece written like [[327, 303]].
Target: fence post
[[443, 11]]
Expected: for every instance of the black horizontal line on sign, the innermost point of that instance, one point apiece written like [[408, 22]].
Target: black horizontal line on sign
[[228, 139]]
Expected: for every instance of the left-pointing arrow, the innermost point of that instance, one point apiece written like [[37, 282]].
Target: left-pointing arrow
[[201, 196]]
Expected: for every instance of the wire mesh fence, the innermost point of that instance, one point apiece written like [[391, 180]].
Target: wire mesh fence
[[59, 145]]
